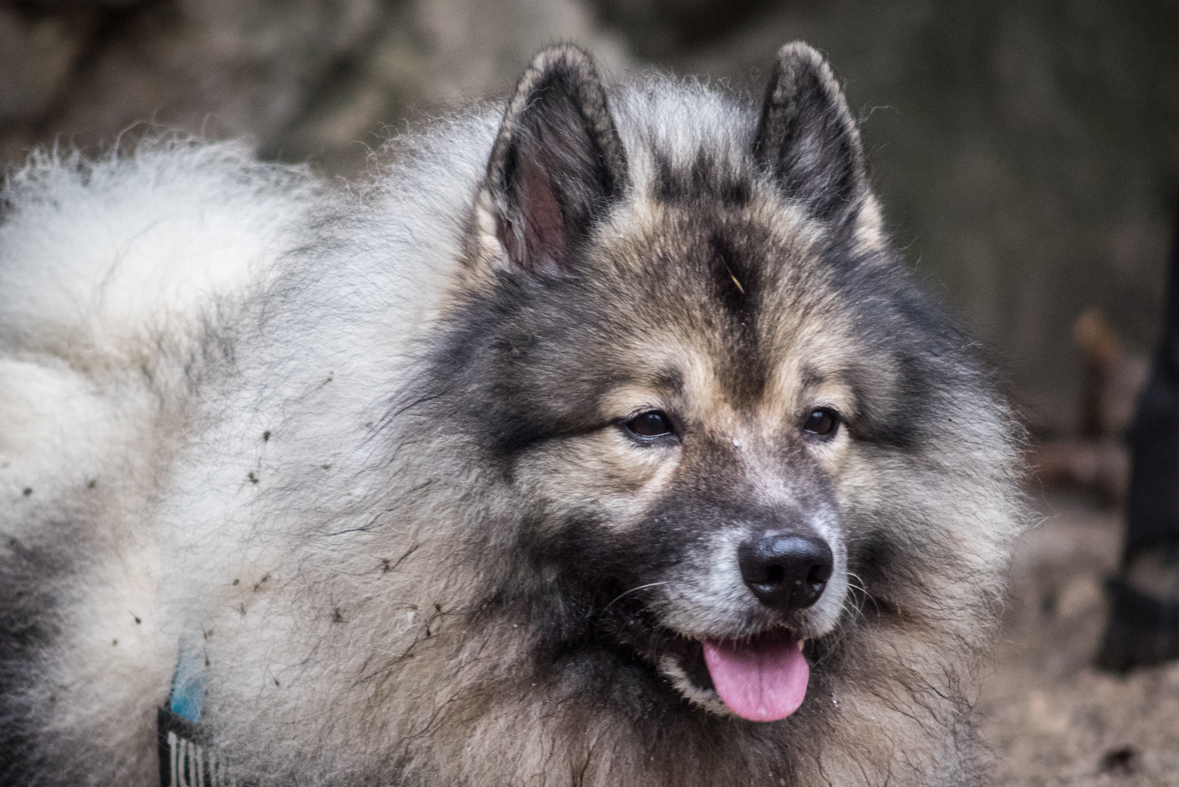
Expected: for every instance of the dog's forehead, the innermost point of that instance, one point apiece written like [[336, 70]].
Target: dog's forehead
[[744, 260], [737, 302]]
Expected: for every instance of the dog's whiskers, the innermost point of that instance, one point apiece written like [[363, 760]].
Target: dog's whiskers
[[632, 590]]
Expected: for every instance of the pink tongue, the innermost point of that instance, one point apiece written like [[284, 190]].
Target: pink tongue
[[760, 680]]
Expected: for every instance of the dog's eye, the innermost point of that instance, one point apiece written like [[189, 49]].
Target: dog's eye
[[653, 423], [822, 422]]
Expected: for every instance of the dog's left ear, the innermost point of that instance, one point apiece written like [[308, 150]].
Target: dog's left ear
[[808, 140], [557, 164]]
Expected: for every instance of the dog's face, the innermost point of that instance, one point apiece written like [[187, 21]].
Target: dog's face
[[676, 380], [696, 416]]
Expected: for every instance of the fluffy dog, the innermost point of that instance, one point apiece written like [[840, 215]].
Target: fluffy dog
[[597, 439]]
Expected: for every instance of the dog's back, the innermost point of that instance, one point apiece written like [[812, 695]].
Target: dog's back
[[108, 270]]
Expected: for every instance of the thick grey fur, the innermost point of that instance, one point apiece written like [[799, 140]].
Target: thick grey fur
[[365, 452]]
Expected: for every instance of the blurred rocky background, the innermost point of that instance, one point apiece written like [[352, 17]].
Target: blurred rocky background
[[1027, 153]]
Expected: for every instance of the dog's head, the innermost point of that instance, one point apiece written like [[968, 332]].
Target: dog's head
[[698, 369]]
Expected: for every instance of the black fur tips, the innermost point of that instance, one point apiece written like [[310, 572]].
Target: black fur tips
[[807, 139], [557, 162]]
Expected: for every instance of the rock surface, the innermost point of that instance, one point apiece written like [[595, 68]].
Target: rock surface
[[304, 79]]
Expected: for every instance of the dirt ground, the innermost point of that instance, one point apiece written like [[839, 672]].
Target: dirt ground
[[1050, 717]]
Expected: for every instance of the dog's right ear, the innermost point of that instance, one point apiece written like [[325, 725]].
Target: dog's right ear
[[557, 164], [807, 139]]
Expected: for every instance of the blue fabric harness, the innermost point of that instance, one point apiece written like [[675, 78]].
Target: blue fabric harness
[[188, 684], [185, 759]]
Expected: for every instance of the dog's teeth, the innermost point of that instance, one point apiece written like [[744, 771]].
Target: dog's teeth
[[800, 643]]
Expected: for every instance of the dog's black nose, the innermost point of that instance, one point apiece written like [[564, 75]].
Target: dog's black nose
[[786, 571]]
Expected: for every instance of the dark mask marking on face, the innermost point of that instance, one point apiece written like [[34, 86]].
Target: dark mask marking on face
[[737, 285]]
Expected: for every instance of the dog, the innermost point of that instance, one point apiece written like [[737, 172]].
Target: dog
[[598, 438]]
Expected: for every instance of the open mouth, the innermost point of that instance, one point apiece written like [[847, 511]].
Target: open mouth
[[762, 677]]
